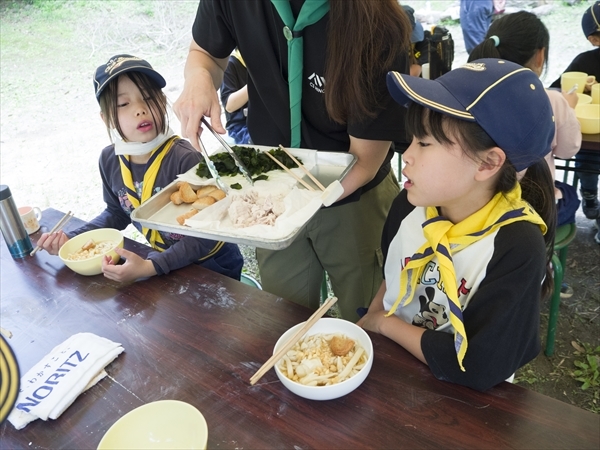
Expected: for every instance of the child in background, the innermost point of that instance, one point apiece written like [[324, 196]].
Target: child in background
[[145, 157], [416, 38], [588, 62], [468, 241], [234, 97], [524, 39]]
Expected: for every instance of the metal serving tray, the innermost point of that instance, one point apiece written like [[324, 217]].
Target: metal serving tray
[[159, 213]]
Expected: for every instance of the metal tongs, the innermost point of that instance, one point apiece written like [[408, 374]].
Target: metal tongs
[[235, 157], [211, 167]]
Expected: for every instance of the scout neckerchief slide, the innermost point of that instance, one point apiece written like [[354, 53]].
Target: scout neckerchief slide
[[311, 12], [152, 167], [444, 239]]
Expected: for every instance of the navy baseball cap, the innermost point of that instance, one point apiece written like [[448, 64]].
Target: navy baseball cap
[[120, 64], [590, 21], [507, 100], [417, 34]]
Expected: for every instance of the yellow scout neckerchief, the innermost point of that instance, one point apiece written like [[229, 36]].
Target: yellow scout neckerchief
[[236, 54], [152, 167], [444, 238]]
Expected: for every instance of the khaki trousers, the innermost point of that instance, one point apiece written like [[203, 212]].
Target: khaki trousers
[[345, 241]]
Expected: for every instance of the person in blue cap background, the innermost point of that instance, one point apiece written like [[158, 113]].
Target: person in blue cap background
[[467, 243], [145, 156], [588, 162]]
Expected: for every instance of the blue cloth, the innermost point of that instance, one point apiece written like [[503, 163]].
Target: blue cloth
[[567, 206], [475, 19], [590, 161], [239, 133]]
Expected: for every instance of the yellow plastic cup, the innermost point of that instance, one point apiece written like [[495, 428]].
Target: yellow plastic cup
[[570, 79], [596, 93]]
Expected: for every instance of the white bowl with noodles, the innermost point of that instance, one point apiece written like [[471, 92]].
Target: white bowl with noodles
[[91, 265], [328, 326], [164, 424]]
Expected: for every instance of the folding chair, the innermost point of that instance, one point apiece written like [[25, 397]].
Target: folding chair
[[564, 235]]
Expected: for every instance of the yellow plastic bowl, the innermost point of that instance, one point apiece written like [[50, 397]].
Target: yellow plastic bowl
[[165, 424], [328, 325], [93, 265], [589, 118], [584, 99]]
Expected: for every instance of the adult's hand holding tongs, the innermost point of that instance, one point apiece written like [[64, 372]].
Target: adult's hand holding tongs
[[211, 167], [238, 161]]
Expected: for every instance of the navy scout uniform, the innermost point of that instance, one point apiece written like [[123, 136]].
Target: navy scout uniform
[[181, 250]]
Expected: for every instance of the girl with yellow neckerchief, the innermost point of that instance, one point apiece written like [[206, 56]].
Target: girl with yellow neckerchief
[[467, 243], [145, 157]]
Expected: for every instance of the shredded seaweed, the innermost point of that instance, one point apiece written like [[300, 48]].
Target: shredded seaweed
[[255, 161]]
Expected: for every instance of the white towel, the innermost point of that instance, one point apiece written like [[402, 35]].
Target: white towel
[[71, 368]]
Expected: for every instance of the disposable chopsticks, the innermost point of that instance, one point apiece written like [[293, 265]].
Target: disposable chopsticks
[[295, 338], [304, 183], [306, 171], [59, 226]]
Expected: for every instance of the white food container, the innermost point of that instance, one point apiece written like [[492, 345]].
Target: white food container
[[160, 213]]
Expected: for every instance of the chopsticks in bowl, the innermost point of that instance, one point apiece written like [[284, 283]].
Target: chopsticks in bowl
[[59, 226], [291, 341], [306, 171]]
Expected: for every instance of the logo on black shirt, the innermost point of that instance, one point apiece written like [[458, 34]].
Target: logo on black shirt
[[317, 83]]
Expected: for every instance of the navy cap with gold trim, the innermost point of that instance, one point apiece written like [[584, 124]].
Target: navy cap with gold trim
[[590, 21], [507, 100], [120, 64]]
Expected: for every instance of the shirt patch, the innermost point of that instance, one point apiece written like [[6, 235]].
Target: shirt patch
[[317, 82]]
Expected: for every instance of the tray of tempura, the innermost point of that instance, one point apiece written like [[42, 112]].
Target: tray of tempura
[[268, 214]]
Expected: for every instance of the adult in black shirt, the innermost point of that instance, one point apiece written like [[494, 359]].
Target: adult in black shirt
[[345, 108]]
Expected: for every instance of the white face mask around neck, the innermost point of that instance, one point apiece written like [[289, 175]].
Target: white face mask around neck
[[138, 148]]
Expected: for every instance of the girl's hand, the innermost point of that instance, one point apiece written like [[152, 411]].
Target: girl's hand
[[372, 320], [134, 268], [52, 242], [571, 98]]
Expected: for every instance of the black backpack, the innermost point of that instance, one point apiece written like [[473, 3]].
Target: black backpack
[[437, 49]]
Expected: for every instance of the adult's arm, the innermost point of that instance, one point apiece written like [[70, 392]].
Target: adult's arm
[[369, 155], [203, 75]]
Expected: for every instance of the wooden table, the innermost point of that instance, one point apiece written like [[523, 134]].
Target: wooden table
[[590, 142], [197, 336], [590, 146]]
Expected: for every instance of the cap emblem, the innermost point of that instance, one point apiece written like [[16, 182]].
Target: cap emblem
[[118, 62], [477, 67]]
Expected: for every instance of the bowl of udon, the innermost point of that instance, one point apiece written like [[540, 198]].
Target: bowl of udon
[[83, 254], [331, 360]]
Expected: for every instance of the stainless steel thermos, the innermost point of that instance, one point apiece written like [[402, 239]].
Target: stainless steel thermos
[[13, 230]]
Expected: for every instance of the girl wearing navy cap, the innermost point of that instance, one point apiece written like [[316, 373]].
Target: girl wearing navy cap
[[145, 156], [468, 241]]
